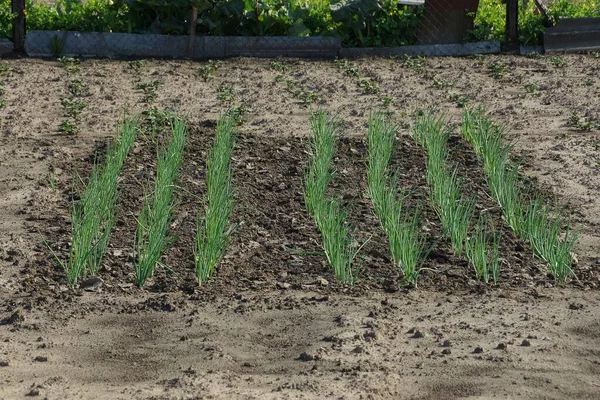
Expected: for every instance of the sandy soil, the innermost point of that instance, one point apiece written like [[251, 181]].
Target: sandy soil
[[273, 323]]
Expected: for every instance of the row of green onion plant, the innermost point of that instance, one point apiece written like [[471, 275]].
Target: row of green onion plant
[[153, 222], [402, 227], [93, 215], [329, 215], [529, 217], [454, 210], [212, 225]]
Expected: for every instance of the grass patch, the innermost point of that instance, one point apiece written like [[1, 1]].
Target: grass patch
[[406, 241], [212, 232], [153, 222], [329, 215]]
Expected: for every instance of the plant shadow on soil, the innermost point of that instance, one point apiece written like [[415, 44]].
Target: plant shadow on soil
[[275, 244]]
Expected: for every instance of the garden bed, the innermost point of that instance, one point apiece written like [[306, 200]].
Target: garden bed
[[273, 321]]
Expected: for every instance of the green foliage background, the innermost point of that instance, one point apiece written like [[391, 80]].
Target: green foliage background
[[356, 22]]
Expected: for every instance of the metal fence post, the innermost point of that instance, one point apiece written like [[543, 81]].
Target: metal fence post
[[18, 8]]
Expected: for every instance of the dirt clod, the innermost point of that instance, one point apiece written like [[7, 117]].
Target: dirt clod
[[16, 317], [576, 306], [418, 334], [91, 284], [304, 356]]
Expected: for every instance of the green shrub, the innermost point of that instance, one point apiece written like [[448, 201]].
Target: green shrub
[[6, 20], [73, 15], [490, 21], [356, 22]]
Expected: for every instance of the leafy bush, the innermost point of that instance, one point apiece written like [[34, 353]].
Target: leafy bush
[[73, 15], [376, 22], [490, 21], [6, 19], [356, 22]]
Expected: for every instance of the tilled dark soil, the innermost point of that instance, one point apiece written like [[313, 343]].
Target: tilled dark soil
[[275, 244]]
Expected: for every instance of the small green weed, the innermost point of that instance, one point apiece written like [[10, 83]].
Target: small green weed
[[580, 123], [348, 68], [68, 127], [479, 58], [136, 65], [155, 120], [301, 92], [237, 113], [439, 83], [73, 107], [226, 94], [78, 88], [498, 69], [461, 100], [279, 66], [208, 69], [387, 101], [70, 64], [417, 64], [558, 61], [532, 87], [149, 89], [368, 86]]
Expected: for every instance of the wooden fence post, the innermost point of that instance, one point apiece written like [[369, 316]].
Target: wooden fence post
[[193, 23], [512, 23], [18, 7]]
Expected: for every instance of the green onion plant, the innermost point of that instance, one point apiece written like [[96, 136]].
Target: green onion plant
[[93, 215], [330, 217], [529, 219], [454, 210], [482, 252], [212, 231], [402, 228], [153, 222]]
